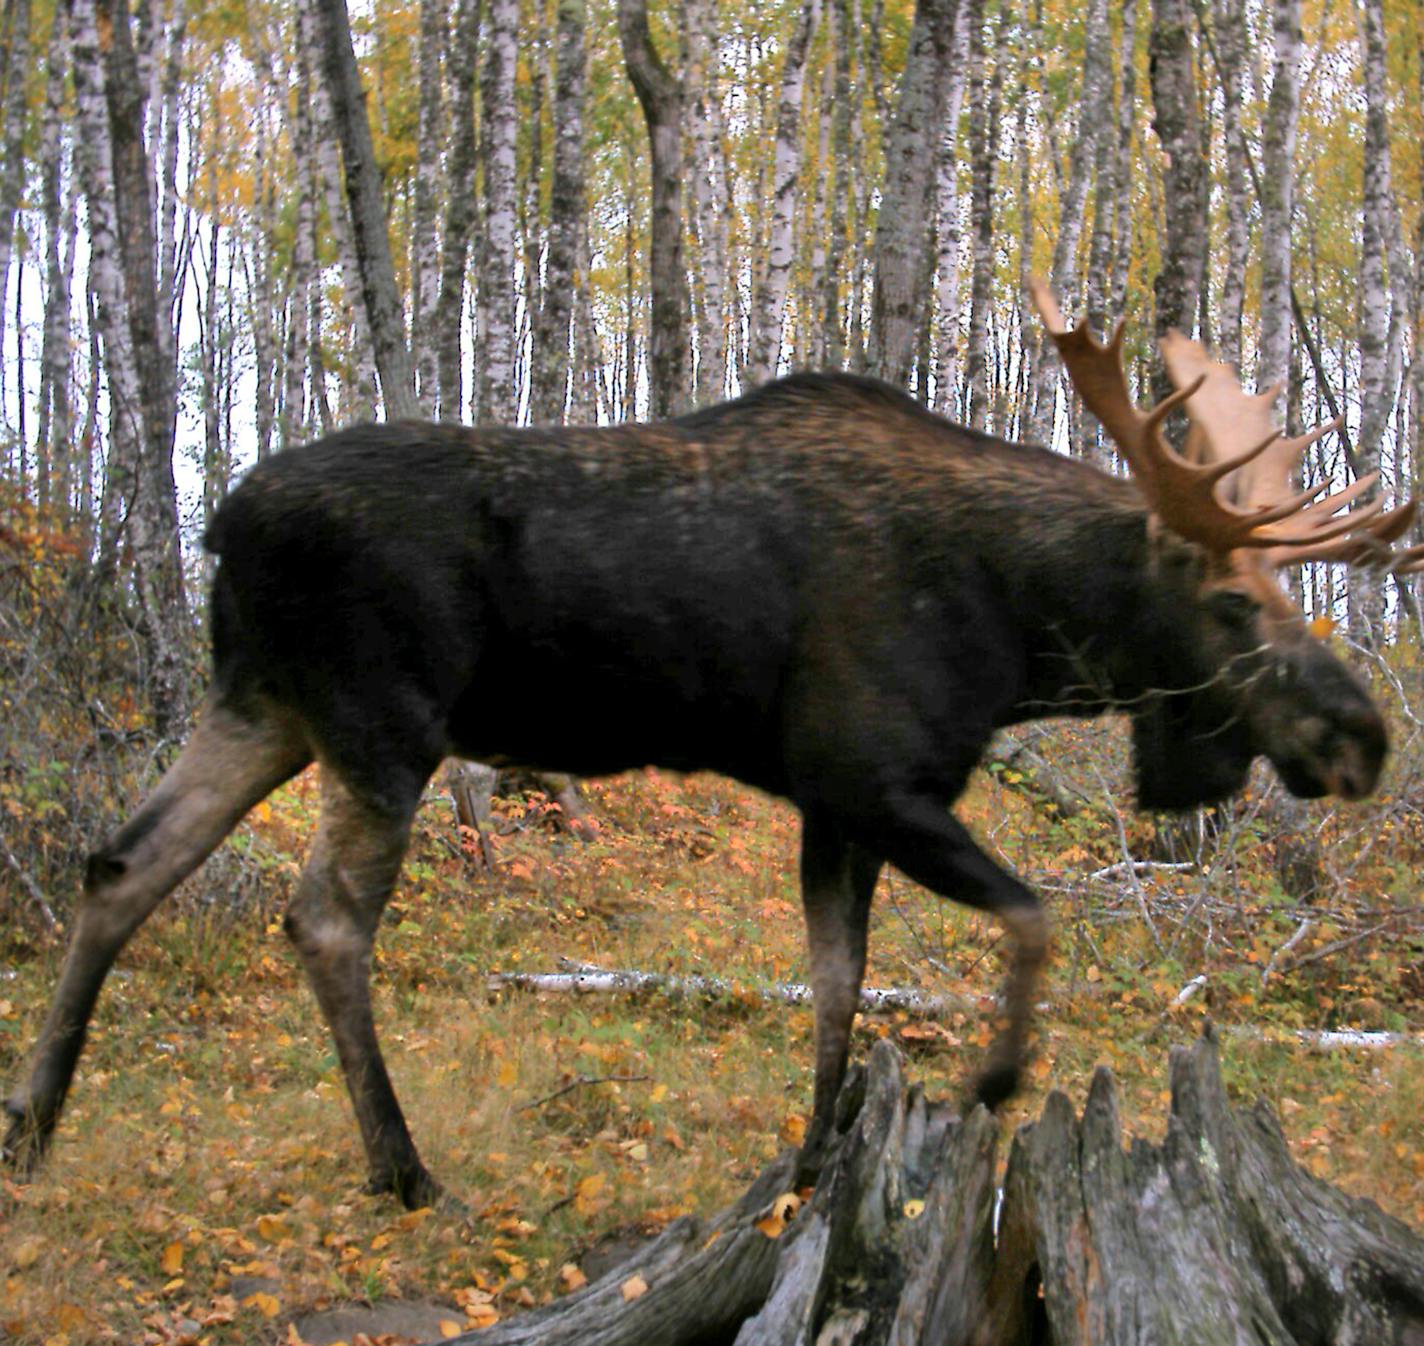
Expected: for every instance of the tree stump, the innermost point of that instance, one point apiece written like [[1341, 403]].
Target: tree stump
[[1213, 1236]]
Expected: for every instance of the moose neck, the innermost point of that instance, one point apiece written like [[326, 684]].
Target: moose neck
[[1085, 586]]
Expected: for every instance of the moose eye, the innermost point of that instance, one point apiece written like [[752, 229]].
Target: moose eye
[[1232, 606]]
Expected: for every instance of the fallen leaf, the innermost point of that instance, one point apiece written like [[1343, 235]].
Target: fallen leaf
[[635, 1287], [572, 1277]]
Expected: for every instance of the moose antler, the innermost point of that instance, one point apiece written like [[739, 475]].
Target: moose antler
[[1221, 410], [1230, 488]]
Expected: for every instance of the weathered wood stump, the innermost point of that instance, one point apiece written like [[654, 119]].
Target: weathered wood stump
[[1213, 1236]]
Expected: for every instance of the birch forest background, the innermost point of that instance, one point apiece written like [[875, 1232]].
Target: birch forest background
[[227, 228]]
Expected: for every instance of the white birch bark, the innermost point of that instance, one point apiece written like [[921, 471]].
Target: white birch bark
[[1229, 27], [498, 396], [1126, 130], [14, 114], [769, 302], [424, 248], [1278, 193], [358, 393], [292, 421], [459, 212], [983, 137], [708, 181], [54, 457], [106, 282], [949, 233], [1094, 103], [567, 210]]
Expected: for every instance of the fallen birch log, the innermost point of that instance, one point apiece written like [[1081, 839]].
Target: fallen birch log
[[1213, 1237], [585, 979]]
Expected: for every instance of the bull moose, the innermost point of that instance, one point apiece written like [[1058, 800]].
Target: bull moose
[[820, 589]]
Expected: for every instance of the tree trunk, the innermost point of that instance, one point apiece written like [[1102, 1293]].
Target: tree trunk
[[54, 452], [1122, 180], [898, 297], [292, 414], [769, 299], [983, 138], [1094, 105], [549, 393], [15, 66], [153, 518], [459, 212], [702, 80], [832, 318], [424, 247], [1212, 1238], [660, 95], [498, 395], [948, 234], [1278, 194], [368, 213], [1177, 287], [1229, 29]]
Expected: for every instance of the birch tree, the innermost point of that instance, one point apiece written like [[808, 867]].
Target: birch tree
[[1278, 193], [384, 311], [498, 394], [14, 113], [459, 211], [898, 295], [153, 519], [710, 204], [1177, 286], [983, 137], [1229, 30], [660, 94], [549, 393], [769, 299], [424, 246], [948, 233]]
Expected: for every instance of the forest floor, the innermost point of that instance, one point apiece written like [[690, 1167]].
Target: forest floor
[[206, 1182]]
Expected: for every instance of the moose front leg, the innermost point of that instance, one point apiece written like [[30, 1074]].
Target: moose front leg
[[931, 846], [837, 884]]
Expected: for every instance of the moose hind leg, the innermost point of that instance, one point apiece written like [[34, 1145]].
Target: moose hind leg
[[229, 764], [332, 923], [837, 885]]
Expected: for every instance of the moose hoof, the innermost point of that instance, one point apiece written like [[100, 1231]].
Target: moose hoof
[[415, 1189], [23, 1147], [995, 1086]]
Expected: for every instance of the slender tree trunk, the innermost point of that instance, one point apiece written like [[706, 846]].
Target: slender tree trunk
[[1126, 129], [1229, 28], [567, 208], [1094, 104], [15, 65], [832, 317], [948, 236], [498, 393], [898, 295], [459, 211], [54, 453], [1278, 194], [424, 246], [983, 135], [769, 301], [292, 425], [702, 81], [660, 94], [368, 213], [1177, 286], [153, 523]]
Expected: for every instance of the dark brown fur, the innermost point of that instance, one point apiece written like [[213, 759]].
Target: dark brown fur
[[820, 589]]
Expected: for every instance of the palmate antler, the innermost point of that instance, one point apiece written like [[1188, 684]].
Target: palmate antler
[[1230, 488]]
